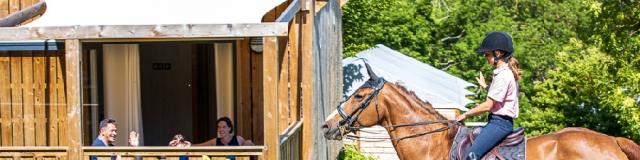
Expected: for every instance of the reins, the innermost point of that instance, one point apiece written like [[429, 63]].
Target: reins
[[449, 124]]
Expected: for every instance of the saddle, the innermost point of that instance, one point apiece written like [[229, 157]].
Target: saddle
[[512, 147]]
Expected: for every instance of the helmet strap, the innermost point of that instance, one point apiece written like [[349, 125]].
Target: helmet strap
[[495, 58]]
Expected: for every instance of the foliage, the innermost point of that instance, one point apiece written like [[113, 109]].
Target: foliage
[[350, 152], [579, 59]]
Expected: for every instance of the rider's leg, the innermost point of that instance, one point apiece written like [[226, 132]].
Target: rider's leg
[[490, 136]]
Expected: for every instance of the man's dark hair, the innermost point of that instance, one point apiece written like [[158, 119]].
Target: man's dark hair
[[227, 121], [105, 122]]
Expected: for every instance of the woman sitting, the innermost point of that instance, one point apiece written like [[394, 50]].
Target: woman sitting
[[225, 138]]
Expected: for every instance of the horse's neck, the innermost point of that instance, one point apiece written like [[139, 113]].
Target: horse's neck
[[406, 109]]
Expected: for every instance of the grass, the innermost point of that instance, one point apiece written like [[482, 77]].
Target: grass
[[350, 152]]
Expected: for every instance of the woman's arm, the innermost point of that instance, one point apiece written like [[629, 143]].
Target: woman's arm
[[483, 107], [244, 142], [210, 142]]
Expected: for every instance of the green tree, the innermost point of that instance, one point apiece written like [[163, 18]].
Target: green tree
[[578, 57]]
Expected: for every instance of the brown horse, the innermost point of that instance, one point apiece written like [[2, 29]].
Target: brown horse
[[387, 104]]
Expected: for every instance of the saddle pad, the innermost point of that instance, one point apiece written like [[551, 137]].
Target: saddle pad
[[516, 152]]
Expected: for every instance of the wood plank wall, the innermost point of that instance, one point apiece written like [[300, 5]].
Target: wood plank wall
[[32, 98], [11, 6], [327, 75]]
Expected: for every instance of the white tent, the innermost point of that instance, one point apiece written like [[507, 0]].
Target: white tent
[[150, 12], [430, 84]]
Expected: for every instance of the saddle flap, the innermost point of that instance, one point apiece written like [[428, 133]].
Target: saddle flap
[[516, 137]]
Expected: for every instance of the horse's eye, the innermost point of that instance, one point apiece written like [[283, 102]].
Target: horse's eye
[[358, 97]]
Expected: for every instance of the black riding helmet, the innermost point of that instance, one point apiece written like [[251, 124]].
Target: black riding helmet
[[497, 41]]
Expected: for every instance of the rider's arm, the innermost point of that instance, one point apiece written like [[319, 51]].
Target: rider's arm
[[481, 108]]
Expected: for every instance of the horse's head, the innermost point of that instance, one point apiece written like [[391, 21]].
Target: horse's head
[[361, 109]]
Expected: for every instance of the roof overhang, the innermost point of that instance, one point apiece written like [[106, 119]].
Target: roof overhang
[[144, 31], [149, 19]]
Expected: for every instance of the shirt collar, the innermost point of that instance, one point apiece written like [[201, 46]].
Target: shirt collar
[[500, 69], [103, 141]]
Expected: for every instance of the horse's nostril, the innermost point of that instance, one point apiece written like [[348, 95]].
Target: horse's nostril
[[325, 126]]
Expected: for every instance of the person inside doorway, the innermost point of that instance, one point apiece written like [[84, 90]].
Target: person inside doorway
[[107, 136]]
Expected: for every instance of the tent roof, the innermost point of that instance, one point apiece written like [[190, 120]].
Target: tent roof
[[149, 12], [430, 84]]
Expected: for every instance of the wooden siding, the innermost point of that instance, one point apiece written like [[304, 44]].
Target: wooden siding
[[327, 75], [32, 98]]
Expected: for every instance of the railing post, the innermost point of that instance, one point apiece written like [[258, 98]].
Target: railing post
[[73, 48]]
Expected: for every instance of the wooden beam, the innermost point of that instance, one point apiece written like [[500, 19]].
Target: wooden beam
[[270, 89], [283, 88], [290, 12], [23, 15], [294, 69], [306, 53], [73, 48], [145, 31]]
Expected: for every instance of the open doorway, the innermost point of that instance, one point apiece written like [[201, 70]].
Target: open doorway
[[160, 89], [185, 87]]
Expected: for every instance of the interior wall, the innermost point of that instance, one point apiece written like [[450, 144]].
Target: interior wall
[[122, 89]]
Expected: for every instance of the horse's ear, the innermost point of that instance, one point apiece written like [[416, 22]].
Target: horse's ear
[[370, 72]]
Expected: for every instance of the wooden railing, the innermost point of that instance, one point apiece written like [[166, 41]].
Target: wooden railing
[[171, 153], [291, 142], [33, 152]]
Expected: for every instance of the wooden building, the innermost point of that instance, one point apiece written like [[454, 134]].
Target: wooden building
[[276, 78]]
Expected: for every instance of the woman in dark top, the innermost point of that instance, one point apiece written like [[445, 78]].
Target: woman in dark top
[[225, 136]]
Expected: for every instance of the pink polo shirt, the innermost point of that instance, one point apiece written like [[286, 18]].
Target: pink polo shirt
[[504, 91]]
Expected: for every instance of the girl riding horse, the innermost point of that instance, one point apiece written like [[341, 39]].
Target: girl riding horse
[[502, 99]]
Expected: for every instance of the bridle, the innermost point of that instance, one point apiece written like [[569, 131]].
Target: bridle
[[346, 124], [349, 119]]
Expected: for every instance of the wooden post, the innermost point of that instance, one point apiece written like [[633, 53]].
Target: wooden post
[[306, 53], [73, 49], [294, 69], [270, 84], [283, 81]]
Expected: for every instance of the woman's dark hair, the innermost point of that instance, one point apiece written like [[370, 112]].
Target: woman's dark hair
[[226, 120]]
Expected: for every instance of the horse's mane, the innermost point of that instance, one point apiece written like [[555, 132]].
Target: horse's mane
[[425, 104]]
